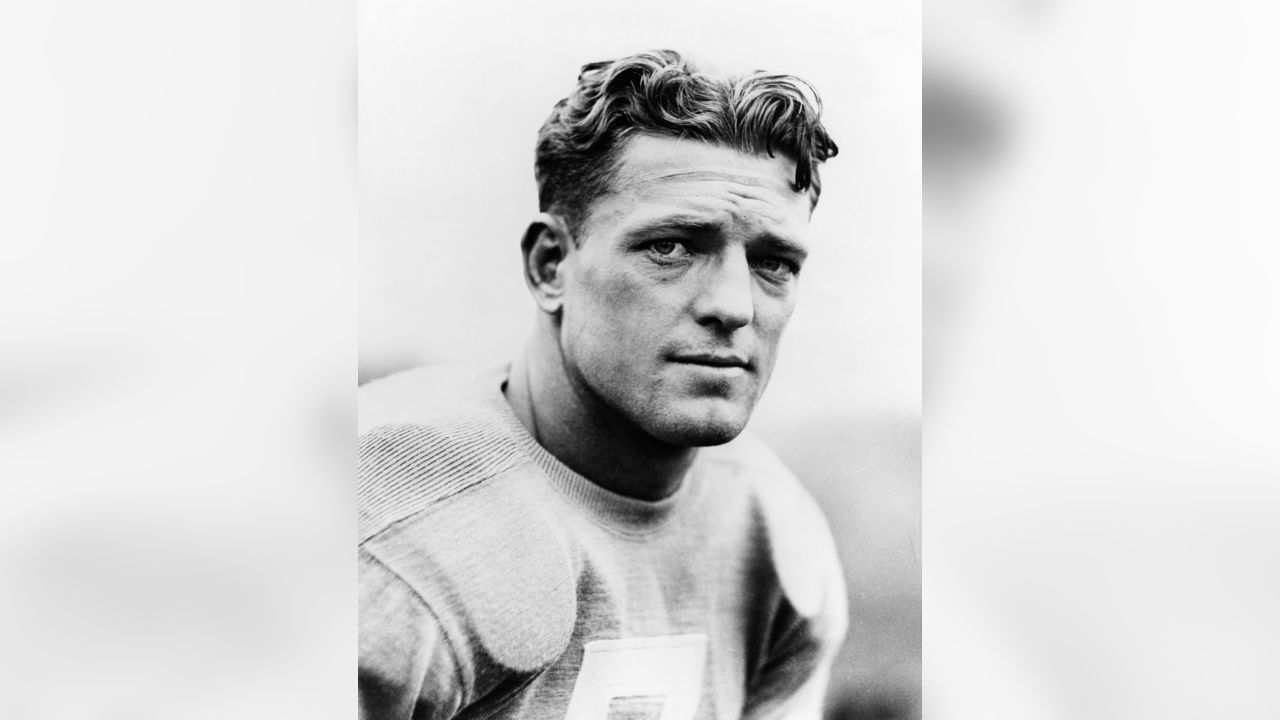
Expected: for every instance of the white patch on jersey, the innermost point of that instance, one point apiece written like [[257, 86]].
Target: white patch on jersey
[[656, 678]]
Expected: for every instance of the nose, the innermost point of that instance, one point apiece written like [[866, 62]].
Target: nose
[[726, 296]]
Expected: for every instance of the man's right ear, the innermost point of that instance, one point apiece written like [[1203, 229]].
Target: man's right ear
[[546, 246]]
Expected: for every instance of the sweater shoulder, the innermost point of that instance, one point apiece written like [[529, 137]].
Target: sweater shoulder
[[450, 504], [497, 573], [426, 435]]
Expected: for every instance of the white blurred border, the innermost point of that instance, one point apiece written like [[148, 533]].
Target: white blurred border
[[176, 359], [1102, 444]]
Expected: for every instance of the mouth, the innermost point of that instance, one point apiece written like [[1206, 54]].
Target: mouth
[[713, 359]]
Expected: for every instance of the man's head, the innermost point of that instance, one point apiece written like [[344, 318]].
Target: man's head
[[675, 211]]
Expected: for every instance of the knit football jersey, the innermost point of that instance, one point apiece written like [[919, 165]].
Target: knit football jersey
[[495, 582]]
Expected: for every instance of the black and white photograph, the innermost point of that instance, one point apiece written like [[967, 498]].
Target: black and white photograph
[[597, 480]]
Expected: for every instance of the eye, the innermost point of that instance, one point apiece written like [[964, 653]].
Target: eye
[[778, 267], [668, 250]]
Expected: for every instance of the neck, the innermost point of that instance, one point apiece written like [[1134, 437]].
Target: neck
[[572, 423]]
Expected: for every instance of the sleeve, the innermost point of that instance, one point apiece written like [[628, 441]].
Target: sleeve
[[792, 684], [406, 668]]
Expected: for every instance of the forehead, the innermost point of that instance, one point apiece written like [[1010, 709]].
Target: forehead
[[661, 176]]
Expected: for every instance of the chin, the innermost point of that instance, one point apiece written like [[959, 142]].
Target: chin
[[699, 429]]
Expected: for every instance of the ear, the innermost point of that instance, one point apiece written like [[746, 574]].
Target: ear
[[546, 246]]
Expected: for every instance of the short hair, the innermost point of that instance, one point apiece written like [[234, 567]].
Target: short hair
[[663, 93]]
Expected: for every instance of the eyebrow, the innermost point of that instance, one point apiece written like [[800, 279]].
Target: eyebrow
[[785, 245], [678, 224]]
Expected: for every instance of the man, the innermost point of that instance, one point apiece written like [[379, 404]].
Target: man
[[586, 533]]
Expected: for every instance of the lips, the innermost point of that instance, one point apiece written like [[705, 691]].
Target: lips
[[718, 359]]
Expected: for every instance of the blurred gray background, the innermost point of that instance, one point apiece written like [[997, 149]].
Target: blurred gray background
[[450, 100]]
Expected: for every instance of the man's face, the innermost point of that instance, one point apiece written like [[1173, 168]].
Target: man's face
[[680, 286]]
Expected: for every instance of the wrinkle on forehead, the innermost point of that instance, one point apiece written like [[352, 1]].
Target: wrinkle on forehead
[[661, 176], [649, 159], [710, 183], [713, 202], [642, 180], [719, 200]]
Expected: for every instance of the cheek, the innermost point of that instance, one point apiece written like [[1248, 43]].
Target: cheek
[[772, 315], [609, 319], [603, 301]]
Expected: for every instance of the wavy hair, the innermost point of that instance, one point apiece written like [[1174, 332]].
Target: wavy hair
[[663, 93]]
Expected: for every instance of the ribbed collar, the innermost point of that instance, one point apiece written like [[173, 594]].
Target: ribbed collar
[[619, 513]]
